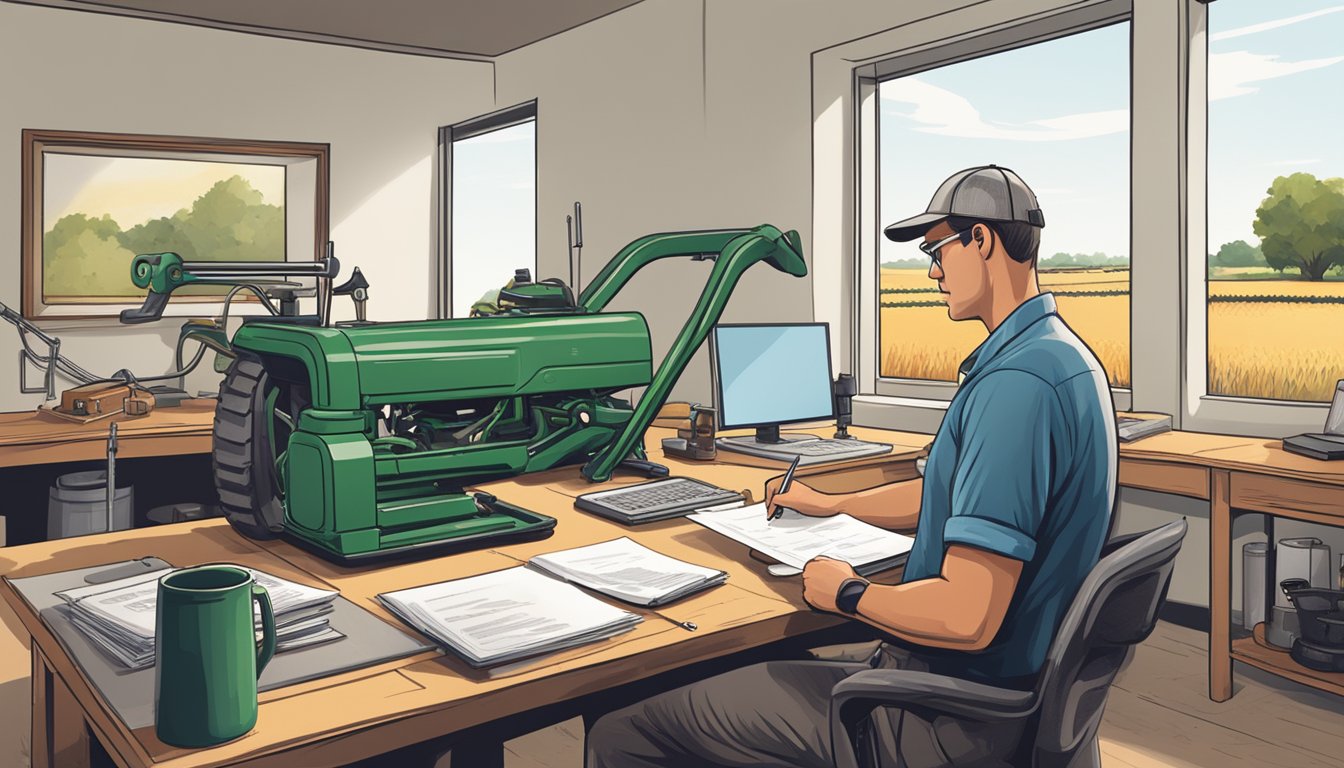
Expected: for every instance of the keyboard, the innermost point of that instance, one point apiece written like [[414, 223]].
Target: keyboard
[[656, 500], [812, 450]]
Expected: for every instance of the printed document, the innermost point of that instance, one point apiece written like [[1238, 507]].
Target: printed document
[[794, 538], [119, 616], [629, 571], [507, 615]]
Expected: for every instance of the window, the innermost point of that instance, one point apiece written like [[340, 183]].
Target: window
[[493, 219], [1275, 219], [93, 201], [1057, 113]]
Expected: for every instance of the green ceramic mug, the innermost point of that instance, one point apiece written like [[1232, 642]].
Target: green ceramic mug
[[207, 659]]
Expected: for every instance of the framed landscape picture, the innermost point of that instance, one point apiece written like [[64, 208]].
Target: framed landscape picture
[[93, 201]]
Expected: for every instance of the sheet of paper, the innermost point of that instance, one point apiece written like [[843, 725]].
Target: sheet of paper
[[128, 603], [507, 614], [793, 539], [119, 616], [629, 571]]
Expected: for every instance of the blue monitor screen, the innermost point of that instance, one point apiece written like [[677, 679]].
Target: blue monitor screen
[[772, 374]]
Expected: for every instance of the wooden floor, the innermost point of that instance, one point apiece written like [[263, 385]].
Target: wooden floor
[[1158, 715]]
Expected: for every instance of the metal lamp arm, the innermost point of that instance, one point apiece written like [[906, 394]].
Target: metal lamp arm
[[734, 258]]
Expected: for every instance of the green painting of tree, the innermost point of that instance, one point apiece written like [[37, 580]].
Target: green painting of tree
[[83, 256]]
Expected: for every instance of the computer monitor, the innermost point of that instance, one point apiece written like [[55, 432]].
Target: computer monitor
[[766, 375]]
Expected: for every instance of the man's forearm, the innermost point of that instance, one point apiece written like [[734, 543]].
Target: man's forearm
[[962, 608], [922, 612], [894, 506]]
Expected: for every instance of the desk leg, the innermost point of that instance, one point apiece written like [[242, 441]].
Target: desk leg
[[60, 736], [1220, 585]]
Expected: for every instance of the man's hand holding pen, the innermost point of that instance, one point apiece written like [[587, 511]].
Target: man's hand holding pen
[[799, 498]]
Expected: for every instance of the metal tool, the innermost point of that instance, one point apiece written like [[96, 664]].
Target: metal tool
[[574, 231], [360, 440], [50, 364], [778, 510], [111, 473]]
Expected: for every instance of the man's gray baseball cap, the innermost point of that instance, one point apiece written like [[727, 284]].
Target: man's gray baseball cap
[[987, 193]]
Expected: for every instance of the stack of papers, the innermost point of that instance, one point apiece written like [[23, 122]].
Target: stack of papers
[[629, 571], [507, 615], [119, 616], [794, 539], [1133, 426]]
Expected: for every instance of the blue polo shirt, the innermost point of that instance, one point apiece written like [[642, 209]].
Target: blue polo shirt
[[1023, 465]]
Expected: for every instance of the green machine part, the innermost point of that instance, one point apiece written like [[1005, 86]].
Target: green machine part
[[526, 390], [349, 490], [733, 251]]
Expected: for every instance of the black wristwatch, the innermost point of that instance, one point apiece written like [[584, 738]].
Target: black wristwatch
[[851, 590]]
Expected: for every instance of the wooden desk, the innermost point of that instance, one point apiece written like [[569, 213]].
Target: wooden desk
[[1239, 474], [347, 717], [355, 715], [33, 437]]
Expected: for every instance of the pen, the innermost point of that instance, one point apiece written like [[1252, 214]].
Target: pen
[[689, 626], [778, 511]]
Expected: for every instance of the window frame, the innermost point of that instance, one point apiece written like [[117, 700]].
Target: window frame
[[1202, 411], [37, 142], [507, 117], [1168, 214], [1017, 34]]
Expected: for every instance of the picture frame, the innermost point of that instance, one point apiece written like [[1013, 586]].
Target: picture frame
[[116, 194]]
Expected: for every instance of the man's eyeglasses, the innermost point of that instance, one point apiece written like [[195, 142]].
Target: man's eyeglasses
[[932, 250]]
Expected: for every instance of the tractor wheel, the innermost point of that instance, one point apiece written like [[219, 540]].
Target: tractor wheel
[[253, 421]]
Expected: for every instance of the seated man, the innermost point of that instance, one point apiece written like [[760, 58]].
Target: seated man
[[1014, 507]]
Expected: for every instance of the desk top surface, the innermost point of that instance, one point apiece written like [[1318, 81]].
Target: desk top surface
[[22, 428], [22, 431], [433, 693], [35, 437]]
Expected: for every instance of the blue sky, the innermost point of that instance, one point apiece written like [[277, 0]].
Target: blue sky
[[1058, 114], [494, 211]]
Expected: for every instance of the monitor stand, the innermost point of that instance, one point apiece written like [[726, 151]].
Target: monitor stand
[[769, 443], [766, 442]]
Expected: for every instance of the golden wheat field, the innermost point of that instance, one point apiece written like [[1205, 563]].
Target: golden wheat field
[[1283, 351]]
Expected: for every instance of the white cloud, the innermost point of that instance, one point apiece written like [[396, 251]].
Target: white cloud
[[1274, 24], [943, 112], [1231, 73]]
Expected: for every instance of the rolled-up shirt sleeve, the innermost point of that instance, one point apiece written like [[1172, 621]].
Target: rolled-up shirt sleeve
[[1002, 478]]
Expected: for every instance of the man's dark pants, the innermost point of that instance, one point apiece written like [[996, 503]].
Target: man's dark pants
[[777, 714]]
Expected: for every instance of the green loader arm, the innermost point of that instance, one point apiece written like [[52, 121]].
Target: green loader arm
[[733, 252]]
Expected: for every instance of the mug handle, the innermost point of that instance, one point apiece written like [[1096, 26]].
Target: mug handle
[[267, 648]]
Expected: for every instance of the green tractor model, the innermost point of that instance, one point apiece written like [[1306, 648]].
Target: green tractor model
[[358, 440]]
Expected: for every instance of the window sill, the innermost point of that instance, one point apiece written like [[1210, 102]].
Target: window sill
[[921, 414], [1254, 418]]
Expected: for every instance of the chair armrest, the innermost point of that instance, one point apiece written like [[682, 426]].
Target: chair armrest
[[923, 693]]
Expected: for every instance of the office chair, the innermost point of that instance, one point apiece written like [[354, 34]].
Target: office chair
[[1115, 609]]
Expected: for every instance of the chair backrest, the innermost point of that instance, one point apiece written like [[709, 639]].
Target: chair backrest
[[1115, 609]]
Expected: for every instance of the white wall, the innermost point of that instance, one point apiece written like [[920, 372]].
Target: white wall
[[673, 115], [69, 70]]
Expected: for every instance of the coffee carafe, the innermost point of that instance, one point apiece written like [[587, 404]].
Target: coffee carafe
[[1304, 558]]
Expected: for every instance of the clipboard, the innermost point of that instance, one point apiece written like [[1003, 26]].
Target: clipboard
[[130, 693]]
